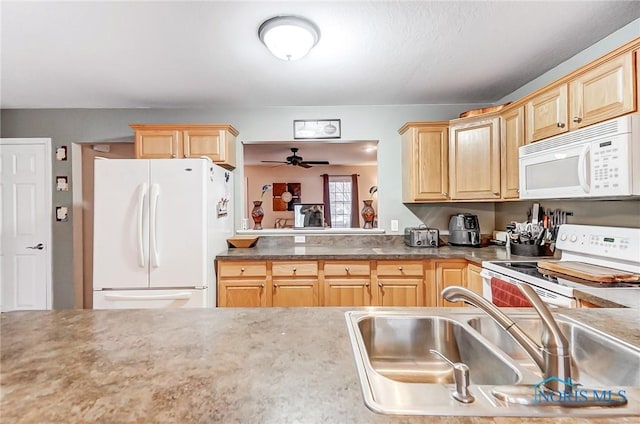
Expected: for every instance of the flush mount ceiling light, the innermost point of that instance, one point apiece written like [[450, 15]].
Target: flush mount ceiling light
[[289, 37]]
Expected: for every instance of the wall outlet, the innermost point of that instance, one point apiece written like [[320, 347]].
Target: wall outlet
[[394, 225], [298, 239]]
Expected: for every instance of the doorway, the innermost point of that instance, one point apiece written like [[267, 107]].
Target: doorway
[[25, 215]]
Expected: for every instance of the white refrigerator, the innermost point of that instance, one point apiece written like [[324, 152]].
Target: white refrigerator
[[158, 225]]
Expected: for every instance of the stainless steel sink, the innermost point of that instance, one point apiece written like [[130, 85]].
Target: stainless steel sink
[[397, 347], [398, 374], [597, 359]]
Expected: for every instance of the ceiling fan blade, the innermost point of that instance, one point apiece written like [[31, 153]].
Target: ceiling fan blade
[[273, 161], [316, 162], [304, 164]]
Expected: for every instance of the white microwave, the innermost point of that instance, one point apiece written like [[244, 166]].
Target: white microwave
[[602, 160]]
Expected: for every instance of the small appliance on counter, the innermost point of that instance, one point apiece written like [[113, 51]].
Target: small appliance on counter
[[464, 230], [421, 236]]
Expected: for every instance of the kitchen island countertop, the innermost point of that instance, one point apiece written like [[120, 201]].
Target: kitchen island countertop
[[272, 365]]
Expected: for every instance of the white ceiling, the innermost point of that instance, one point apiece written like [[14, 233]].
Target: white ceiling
[[335, 152], [125, 54]]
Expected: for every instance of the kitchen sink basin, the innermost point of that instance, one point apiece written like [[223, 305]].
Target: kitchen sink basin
[[597, 359], [397, 347], [399, 373]]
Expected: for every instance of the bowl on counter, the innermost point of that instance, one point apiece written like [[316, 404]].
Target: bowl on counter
[[242, 242]]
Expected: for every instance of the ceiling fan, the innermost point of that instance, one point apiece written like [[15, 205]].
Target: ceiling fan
[[296, 160]]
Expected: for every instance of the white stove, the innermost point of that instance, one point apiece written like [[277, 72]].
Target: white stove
[[612, 247]]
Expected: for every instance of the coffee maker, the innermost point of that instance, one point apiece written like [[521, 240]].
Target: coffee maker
[[464, 230]]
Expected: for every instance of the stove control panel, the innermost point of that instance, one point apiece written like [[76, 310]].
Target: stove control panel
[[610, 242]]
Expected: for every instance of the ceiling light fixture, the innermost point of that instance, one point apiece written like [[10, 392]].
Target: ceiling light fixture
[[289, 37]]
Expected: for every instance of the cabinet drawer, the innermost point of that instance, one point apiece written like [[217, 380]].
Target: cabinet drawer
[[346, 269], [400, 268], [243, 269], [294, 269]]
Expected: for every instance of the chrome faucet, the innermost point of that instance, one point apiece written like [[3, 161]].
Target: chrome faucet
[[553, 357]]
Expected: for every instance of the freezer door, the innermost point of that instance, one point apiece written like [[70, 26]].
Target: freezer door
[[178, 223], [149, 299], [120, 224]]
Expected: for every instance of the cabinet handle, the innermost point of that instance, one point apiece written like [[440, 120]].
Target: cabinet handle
[[294, 269], [446, 194], [262, 285], [380, 284], [560, 124], [241, 269], [346, 269], [400, 268], [275, 286], [577, 119], [173, 155], [366, 284], [497, 193], [184, 156]]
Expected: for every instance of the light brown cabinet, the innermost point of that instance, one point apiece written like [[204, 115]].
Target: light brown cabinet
[[474, 158], [450, 273], [604, 92], [242, 284], [295, 283], [165, 141], [400, 283], [547, 114], [425, 159], [474, 279], [347, 283], [511, 139]]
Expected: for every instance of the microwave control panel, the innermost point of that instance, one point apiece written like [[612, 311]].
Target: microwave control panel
[[609, 166]]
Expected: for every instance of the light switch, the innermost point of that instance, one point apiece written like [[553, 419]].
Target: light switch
[[394, 225]]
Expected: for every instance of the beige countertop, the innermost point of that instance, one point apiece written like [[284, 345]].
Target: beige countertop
[[273, 365]]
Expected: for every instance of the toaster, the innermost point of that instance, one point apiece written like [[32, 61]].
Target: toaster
[[421, 237]]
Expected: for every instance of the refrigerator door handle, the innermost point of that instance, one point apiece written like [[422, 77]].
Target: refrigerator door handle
[[142, 192], [153, 225], [168, 296]]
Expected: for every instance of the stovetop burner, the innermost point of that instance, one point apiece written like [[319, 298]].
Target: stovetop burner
[[531, 269]]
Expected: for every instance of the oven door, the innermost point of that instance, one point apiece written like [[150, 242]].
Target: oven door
[[550, 298]]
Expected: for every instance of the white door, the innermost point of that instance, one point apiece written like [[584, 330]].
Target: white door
[[178, 223], [120, 224], [25, 213]]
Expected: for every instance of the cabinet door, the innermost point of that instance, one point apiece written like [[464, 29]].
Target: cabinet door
[[347, 292], [400, 291], [425, 164], [295, 292], [242, 293], [450, 273], [474, 280], [602, 93], [157, 144], [547, 114], [474, 160], [511, 138]]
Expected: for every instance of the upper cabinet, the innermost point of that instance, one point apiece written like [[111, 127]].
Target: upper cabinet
[[546, 113], [425, 160], [604, 92], [163, 141], [474, 158], [511, 138]]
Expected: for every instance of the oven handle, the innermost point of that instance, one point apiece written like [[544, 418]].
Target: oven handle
[[551, 299], [582, 169]]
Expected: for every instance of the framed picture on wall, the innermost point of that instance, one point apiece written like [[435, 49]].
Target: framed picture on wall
[[316, 128]]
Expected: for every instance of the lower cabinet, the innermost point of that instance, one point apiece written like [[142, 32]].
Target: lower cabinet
[[450, 273], [474, 279], [400, 283], [347, 283], [341, 283]]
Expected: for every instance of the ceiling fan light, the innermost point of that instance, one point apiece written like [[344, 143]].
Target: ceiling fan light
[[289, 37]]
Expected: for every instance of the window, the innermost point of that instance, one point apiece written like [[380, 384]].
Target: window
[[340, 193]]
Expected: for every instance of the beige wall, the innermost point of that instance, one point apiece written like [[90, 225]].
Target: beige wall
[[311, 186]]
